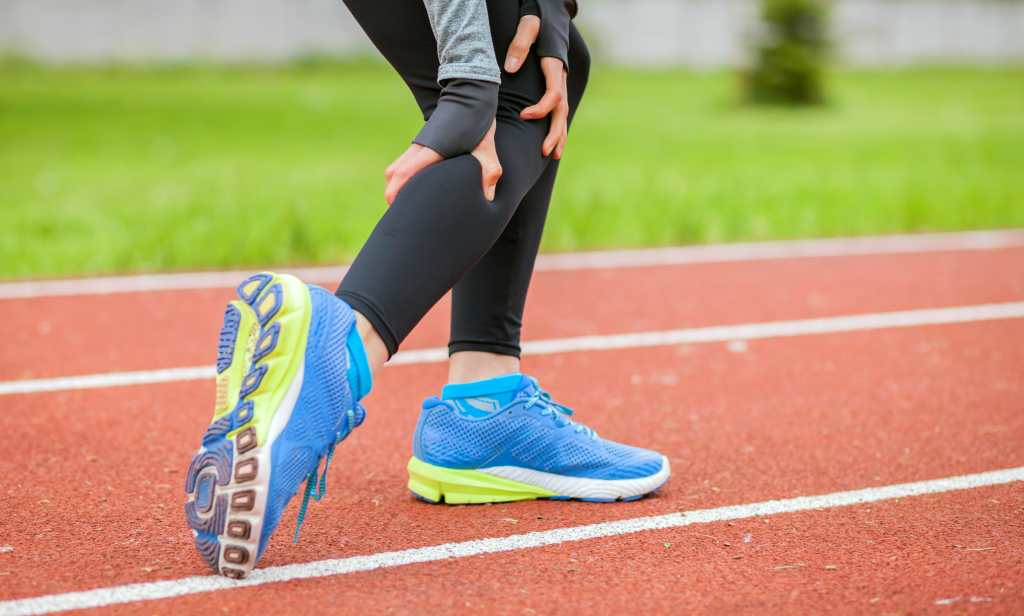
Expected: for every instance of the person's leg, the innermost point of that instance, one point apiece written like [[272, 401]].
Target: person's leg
[[494, 434], [440, 225], [401, 32], [292, 358], [487, 304]]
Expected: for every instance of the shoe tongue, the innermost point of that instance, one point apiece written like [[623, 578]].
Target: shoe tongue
[[527, 387], [482, 397]]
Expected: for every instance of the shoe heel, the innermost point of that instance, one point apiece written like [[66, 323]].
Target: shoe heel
[[436, 484]]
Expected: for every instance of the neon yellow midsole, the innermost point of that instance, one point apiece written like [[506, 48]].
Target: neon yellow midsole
[[230, 381], [466, 486], [282, 361]]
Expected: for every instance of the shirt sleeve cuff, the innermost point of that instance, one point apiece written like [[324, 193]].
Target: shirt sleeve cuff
[[463, 115], [449, 71]]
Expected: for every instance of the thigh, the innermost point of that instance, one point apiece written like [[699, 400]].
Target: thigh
[[400, 30], [440, 225]]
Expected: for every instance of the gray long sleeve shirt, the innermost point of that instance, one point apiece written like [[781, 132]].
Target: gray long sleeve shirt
[[469, 73], [464, 46]]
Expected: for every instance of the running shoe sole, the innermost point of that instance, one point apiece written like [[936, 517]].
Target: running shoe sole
[[499, 484], [260, 359]]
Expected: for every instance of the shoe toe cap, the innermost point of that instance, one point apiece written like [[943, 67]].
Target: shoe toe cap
[[627, 462]]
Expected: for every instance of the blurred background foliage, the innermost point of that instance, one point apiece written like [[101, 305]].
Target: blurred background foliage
[[198, 165], [790, 57]]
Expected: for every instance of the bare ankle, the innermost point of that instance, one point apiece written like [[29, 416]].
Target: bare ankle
[[469, 366], [376, 350]]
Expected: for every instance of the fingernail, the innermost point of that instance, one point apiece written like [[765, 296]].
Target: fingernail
[[511, 63]]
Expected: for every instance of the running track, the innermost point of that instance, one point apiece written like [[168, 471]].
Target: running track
[[852, 372]]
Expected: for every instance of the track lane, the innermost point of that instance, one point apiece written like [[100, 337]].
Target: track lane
[[62, 336], [957, 553], [783, 418], [912, 243]]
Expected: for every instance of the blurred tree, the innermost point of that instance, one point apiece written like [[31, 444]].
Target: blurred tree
[[790, 54]]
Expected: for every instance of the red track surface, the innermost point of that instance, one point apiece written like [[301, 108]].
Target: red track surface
[[170, 329], [91, 480], [889, 558]]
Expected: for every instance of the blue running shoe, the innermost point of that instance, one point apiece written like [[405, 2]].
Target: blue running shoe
[[505, 439], [291, 370]]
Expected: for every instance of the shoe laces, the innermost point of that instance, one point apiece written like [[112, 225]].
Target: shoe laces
[[559, 413], [316, 481]]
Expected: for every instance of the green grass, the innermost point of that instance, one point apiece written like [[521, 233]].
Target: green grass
[[119, 169]]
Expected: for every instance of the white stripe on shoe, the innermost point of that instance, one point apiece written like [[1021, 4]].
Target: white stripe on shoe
[[583, 487]]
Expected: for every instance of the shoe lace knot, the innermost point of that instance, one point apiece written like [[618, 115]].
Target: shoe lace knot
[[559, 413]]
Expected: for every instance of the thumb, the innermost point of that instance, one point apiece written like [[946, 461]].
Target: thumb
[[491, 169]]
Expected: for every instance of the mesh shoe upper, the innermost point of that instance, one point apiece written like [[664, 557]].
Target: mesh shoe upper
[[321, 414], [530, 432]]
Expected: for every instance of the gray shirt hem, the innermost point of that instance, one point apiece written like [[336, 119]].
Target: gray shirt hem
[[480, 72]]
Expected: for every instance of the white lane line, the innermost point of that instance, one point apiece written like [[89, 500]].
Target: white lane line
[[720, 333], [102, 597], [716, 253], [107, 379]]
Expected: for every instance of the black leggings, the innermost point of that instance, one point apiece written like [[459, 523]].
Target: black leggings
[[441, 233]]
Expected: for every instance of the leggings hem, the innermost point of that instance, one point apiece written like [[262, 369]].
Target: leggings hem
[[498, 348], [366, 308]]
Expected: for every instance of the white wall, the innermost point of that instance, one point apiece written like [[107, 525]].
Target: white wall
[[901, 31], [89, 30], [702, 33]]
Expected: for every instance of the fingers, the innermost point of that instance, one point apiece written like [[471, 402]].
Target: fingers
[[554, 143], [554, 79], [555, 103], [393, 182], [412, 161], [526, 35], [491, 175], [418, 157], [490, 167], [393, 188]]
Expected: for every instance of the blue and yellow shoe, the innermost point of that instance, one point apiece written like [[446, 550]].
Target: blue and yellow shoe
[[505, 439], [291, 370]]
